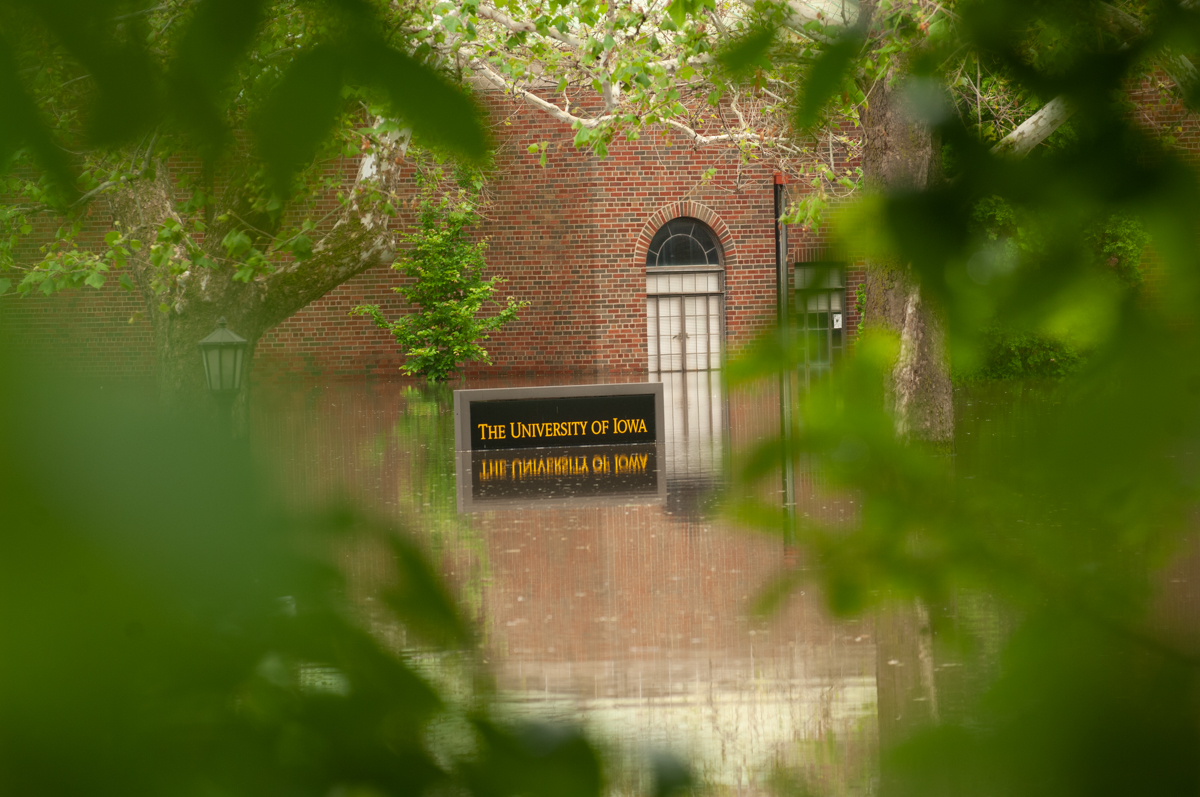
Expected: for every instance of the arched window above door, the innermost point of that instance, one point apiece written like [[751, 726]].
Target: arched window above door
[[683, 242]]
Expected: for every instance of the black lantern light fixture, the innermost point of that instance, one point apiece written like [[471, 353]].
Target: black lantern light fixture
[[223, 352]]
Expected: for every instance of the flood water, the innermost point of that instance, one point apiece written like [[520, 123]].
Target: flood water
[[631, 615]]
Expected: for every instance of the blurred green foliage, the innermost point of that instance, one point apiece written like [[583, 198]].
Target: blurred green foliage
[[232, 108], [103, 73], [1068, 511], [168, 628], [425, 432], [1017, 355]]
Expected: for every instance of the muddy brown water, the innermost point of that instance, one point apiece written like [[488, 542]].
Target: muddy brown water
[[630, 617], [633, 616]]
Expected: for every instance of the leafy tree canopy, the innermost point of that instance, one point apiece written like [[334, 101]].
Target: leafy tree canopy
[[101, 74]]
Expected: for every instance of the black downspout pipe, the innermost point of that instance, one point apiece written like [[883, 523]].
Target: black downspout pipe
[[783, 296]]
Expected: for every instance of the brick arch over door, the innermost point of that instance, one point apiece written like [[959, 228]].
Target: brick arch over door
[[685, 208], [685, 307]]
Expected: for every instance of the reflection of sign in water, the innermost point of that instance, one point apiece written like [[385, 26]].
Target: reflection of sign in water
[[522, 478], [564, 473], [576, 415]]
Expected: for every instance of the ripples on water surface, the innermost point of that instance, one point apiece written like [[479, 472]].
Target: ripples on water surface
[[632, 617]]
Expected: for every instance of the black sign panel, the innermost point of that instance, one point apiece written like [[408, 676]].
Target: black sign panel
[[562, 422], [551, 473]]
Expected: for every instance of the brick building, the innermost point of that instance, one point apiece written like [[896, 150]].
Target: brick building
[[571, 236]]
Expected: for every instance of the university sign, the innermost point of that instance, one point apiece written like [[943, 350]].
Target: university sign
[[558, 417], [593, 443]]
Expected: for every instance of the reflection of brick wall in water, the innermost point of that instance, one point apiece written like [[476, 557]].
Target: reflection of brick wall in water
[[617, 582], [628, 618], [754, 418], [598, 572], [639, 625]]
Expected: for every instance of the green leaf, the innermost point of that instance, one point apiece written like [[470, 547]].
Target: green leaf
[[5, 284], [302, 247], [437, 111], [300, 114], [236, 243], [680, 10], [748, 51], [826, 76], [95, 280], [217, 37], [21, 126]]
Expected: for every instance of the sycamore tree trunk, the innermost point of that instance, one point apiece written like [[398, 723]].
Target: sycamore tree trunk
[[185, 307], [901, 155]]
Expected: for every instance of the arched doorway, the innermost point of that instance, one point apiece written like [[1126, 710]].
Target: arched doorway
[[685, 336], [685, 298]]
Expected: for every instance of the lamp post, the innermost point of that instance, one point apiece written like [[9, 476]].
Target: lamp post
[[783, 296], [223, 352]]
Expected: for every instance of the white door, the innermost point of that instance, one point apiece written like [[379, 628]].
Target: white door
[[684, 320]]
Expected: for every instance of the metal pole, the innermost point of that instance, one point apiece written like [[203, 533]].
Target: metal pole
[[782, 299]]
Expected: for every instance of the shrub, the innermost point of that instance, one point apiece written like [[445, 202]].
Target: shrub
[[447, 289], [1024, 355]]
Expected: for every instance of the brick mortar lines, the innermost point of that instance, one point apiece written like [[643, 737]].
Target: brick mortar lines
[[569, 237]]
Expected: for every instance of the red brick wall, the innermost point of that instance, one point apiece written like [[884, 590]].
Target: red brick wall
[[569, 237], [100, 334]]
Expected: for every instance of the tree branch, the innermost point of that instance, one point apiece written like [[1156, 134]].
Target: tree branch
[[354, 246], [1042, 124], [502, 19], [498, 81], [1035, 129]]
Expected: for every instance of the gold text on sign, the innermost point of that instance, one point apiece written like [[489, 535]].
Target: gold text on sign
[[628, 426], [516, 430], [531, 468], [488, 431], [551, 429]]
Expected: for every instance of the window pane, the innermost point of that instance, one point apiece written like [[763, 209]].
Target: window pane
[[683, 242]]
